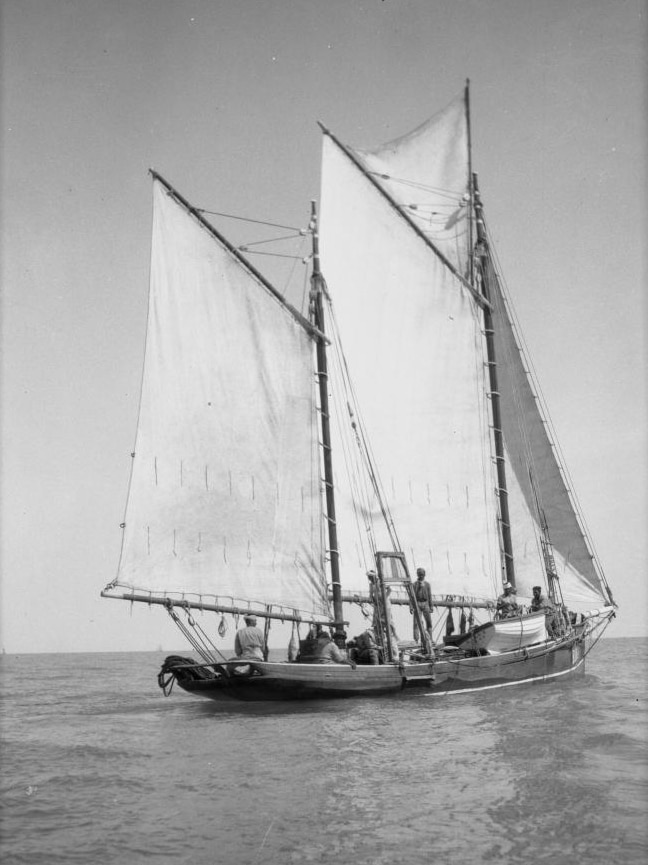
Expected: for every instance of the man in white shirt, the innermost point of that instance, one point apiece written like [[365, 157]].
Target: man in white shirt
[[249, 642]]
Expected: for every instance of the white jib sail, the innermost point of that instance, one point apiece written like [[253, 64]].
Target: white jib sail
[[224, 499], [412, 334], [535, 482]]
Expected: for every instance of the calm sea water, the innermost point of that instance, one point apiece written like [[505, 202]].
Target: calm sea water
[[98, 767]]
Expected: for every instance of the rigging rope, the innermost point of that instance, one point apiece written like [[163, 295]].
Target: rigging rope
[[360, 498], [363, 487], [453, 194], [247, 219], [244, 248], [360, 435], [300, 233], [198, 638], [271, 254]]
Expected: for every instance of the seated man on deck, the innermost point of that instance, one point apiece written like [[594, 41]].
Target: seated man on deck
[[507, 605], [368, 651], [249, 643], [326, 652]]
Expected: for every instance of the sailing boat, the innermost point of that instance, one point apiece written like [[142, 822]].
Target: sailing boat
[[300, 467]]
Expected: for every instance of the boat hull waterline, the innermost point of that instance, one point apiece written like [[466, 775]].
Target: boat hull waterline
[[268, 681]]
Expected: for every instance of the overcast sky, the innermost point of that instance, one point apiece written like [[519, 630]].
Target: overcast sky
[[222, 98]]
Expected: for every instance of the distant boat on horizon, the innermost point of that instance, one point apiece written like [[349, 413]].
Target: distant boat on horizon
[[282, 458]]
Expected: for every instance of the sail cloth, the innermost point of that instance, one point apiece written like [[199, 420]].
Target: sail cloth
[[535, 481], [224, 499], [433, 192], [412, 336]]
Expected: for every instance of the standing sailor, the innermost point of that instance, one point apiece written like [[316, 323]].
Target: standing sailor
[[376, 600], [538, 603], [423, 595]]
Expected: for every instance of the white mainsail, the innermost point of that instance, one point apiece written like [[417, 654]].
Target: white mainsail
[[413, 336], [225, 493]]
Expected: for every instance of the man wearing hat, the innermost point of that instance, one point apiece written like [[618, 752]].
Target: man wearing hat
[[249, 642], [507, 604], [423, 594]]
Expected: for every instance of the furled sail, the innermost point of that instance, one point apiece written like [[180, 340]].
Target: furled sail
[[412, 335], [224, 500]]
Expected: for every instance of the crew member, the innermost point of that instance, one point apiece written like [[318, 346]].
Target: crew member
[[367, 648], [423, 595], [507, 605], [326, 652], [249, 642], [554, 621], [538, 601]]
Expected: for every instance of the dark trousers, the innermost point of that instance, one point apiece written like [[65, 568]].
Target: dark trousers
[[424, 607]]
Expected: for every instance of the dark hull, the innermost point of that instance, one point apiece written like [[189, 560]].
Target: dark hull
[[447, 675]]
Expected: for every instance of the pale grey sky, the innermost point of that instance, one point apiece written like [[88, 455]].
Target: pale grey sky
[[222, 98]]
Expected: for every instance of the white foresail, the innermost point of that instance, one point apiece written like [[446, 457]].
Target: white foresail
[[412, 335], [224, 499]]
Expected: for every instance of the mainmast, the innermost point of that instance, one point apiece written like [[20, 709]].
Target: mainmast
[[317, 317], [477, 268], [482, 256]]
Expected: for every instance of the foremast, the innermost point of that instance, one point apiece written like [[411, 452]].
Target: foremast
[[317, 318]]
